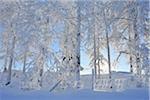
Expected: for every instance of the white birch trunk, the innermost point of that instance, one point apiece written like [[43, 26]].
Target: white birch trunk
[[6, 59], [78, 37], [11, 61], [24, 62], [107, 39]]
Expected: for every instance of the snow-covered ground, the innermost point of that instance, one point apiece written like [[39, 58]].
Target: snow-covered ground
[[132, 94], [14, 92]]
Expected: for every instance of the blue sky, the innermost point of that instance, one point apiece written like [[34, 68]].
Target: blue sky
[[121, 66]]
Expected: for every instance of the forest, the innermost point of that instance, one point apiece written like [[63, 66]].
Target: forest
[[41, 43]]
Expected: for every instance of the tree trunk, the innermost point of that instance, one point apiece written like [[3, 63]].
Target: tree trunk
[[41, 65], [78, 42], [131, 66], [137, 43], [24, 62], [108, 48], [6, 59], [131, 58], [11, 61], [130, 38], [94, 39], [95, 71], [98, 59]]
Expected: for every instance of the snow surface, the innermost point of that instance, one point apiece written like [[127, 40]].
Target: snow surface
[[15, 94]]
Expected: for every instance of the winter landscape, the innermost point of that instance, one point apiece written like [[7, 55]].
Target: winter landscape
[[74, 49]]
